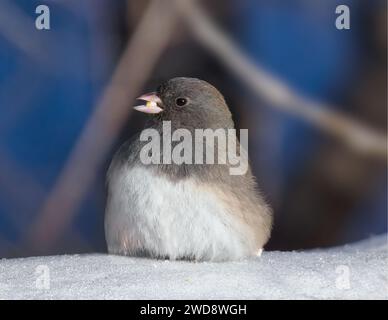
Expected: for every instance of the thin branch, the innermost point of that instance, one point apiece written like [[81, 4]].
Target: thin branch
[[110, 115], [353, 134]]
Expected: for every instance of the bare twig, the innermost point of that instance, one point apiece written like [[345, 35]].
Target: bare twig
[[111, 113], [351, 133]]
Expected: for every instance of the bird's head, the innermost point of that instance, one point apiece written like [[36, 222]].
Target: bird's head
[[188, 102]]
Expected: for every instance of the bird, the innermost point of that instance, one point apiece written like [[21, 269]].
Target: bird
[[183, 211]]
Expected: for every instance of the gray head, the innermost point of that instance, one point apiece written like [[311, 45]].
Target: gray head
[[188, 103]]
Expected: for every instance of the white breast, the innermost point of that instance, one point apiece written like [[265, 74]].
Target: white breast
[[148, 212]]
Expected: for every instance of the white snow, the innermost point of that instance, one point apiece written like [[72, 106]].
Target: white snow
[[357, 271]]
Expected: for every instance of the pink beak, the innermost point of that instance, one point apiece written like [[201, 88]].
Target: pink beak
[[152, 103]]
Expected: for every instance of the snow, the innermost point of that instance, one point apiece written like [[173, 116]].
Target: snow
[[357, 271]]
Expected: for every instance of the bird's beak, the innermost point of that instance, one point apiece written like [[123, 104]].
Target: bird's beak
[[152, 104]]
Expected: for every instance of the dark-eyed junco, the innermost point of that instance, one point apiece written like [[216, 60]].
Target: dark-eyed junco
[[179, 209]]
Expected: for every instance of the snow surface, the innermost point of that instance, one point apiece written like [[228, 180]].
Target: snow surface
[[357, 271]]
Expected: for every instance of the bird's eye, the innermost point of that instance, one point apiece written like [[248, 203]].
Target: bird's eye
[[180, 102]]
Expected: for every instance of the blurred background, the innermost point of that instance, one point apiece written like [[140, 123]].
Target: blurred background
[[66, 96]]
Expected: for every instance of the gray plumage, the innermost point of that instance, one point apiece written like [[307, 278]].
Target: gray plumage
[[188, 211]]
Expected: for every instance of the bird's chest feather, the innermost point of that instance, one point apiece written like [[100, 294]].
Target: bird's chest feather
[[150, 212]]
